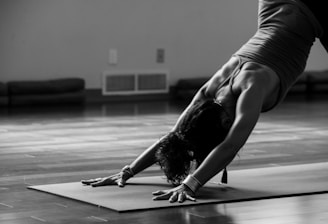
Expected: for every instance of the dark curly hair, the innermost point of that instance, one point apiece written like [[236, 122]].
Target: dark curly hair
[[203, 127], [174, 157]]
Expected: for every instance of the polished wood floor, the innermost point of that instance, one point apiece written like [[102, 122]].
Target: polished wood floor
[[43, 145]]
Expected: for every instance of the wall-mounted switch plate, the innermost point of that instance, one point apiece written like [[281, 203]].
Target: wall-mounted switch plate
[[113, 57], [160, 55]]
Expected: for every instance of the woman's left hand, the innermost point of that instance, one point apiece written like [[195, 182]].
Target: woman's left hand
[[179, 194]]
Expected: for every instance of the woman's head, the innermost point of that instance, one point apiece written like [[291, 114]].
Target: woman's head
[[174, 156], [203, 127]]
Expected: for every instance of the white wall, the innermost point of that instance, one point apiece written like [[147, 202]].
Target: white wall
[[41, 39]]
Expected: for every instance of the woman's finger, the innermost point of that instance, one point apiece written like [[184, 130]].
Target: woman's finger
[[121, 182], [90, 181], [174, 197], [188, 197], [163, 196], [182, 197], [160, 192], [97, 184]]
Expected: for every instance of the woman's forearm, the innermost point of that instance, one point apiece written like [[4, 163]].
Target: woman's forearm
[[247, 113], [216, 161], [146, 159]]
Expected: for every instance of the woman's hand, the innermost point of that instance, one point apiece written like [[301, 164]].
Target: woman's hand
[[179, 194], [116, 179]]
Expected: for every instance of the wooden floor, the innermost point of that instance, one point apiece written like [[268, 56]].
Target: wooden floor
[[63, 144]]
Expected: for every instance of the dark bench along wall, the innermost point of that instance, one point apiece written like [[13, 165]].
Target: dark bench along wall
[[44, 92], [3, 94]]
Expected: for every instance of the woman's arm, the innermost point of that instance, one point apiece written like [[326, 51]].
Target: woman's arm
[[248, 109], [143, 161]]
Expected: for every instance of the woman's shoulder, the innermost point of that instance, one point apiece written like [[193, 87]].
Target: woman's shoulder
[[256, 74]]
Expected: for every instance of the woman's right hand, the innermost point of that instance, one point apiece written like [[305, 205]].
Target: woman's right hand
[[116, 179]]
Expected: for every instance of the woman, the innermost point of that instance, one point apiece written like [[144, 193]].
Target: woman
[[223, 113]]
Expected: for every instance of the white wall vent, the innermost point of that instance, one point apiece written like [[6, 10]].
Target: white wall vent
[[135, 82]]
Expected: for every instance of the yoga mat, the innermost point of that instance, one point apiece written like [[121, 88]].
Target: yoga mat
[[249, 184]]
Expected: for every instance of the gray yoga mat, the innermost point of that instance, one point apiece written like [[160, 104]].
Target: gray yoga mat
[[249, 184]]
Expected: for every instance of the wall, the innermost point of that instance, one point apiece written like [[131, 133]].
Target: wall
[[43, 39]]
